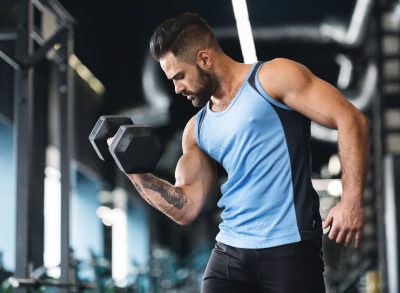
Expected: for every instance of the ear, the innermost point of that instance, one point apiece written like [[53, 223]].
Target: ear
[[204, 59]]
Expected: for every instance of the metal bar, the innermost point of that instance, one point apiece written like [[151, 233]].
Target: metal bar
[[6, 56], [65, 111], [392, 80], [353, 276], [387, 5], [379, 150], [38, 5], [41, 52], [37, 37], [38, 163], [391, 56], [40, 41], [23, 139], [391, 242], [58, 10], [8, 34], [391, 33], [393, 131], [37, 283]]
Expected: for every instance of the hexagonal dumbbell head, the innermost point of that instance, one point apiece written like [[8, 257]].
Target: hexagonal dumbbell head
[[135, 149], [105, 128]]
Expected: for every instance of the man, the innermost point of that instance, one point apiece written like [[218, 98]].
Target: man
[[255, 121]]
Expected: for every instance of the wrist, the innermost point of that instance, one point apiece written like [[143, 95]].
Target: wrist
[[351, 198], [138, 176]]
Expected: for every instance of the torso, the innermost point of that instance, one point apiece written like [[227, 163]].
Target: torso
[[264, 147]]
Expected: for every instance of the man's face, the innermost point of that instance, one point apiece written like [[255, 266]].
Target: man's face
[[189, 80]]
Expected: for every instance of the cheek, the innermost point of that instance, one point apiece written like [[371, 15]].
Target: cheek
[[191, 85], [199, 83]]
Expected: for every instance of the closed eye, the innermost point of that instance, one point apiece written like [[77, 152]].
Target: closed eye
[[178, 76]]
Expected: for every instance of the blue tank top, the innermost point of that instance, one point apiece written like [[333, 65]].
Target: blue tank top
[[264, 146]]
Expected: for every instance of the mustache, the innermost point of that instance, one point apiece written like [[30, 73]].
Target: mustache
[[187, 93]]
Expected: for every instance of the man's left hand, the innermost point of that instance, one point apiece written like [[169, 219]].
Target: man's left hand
[[346, 220]]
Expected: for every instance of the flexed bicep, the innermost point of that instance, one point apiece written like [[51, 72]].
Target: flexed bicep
[[195, 172]]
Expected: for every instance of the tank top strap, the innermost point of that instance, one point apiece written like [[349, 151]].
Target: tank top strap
[[253, 75]]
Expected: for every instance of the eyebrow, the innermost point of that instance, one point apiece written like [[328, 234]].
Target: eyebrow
[[175, 76]]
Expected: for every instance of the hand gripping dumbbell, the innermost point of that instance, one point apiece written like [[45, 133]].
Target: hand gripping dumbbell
[[135, 148]]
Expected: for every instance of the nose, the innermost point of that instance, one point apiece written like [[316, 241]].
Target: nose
[[178, 87]]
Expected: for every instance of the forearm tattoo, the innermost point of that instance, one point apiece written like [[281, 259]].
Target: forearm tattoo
[[143, 194], [171, 194]]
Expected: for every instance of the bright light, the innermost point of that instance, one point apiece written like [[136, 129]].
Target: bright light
[[57, 46], [353, 33], [52, 220], [346, 69], [320, 132], [120, 260], [86, 75], [357, 20], [334, 166], [83, 72], [335, 188], [101, 211], [331, 186], [106, 215], [73, 61], [244, 31]]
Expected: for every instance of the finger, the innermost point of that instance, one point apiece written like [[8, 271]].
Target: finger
[[333, 234], [326, 230], [341, 236], [328, 221], [358, 239], [349, 238], [109, 140]]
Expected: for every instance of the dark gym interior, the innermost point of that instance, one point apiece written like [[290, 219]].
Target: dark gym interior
[[70, 222]]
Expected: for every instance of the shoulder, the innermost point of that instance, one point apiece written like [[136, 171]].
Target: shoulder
[[281, 74], [190, 125], [189, 135], [280, 67]]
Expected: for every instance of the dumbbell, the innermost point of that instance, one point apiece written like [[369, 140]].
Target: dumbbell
[[135, 148]]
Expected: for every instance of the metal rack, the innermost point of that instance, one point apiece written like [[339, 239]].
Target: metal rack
[[386, 141], [23, 47]]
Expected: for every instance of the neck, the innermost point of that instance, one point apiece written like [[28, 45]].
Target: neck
[[230, 75]]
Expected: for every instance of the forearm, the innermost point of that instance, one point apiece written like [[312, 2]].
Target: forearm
[[354, 154], [162, 195]]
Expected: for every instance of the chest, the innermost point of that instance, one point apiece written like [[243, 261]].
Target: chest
[[250, 120]]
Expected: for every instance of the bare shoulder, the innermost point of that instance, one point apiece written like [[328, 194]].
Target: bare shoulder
[[189, 135], [280, 67], [281, 74]]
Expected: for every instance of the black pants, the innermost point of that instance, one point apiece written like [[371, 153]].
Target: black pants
[[291, 268]]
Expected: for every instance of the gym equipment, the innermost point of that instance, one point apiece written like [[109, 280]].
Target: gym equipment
[[135, 148], [36, 283], [105, 128]]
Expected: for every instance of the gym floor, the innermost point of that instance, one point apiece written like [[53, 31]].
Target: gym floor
[[69, 221]]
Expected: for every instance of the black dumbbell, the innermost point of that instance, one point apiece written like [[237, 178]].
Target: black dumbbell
[[105, 128], [135, 148]]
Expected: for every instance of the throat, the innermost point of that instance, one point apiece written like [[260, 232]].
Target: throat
[[220, 104]]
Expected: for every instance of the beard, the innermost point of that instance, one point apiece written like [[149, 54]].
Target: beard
[[208, 84]]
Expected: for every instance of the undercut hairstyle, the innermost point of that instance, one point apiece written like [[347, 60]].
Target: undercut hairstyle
[[184, 36]]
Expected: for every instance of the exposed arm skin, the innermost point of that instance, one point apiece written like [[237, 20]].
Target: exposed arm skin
[[294, 85], [195, 177]]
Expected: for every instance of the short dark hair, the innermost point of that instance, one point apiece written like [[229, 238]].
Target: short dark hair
[[183, 36]]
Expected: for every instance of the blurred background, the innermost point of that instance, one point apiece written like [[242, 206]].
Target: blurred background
[[72, 223]]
